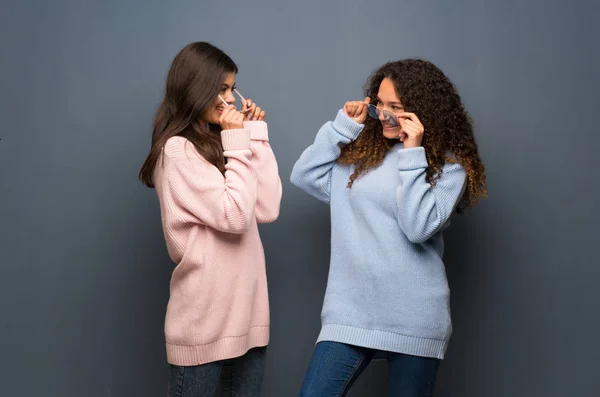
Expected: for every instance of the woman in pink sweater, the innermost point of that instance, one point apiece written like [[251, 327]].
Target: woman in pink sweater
[[216, 177]]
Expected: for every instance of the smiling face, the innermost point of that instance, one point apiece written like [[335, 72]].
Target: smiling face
[[387, 99], [212, 114]]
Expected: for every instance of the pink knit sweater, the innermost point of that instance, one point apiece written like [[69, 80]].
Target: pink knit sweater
[[218, 306]]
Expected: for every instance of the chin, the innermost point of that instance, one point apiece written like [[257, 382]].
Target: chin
[[391, 134]]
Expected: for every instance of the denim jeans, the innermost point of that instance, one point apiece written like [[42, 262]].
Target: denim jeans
[[335, 366], [238, 377]]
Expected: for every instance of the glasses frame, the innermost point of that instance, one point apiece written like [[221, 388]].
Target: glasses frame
[[244, 101]]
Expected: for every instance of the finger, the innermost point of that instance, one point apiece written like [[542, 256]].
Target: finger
[[226, 113], [410, 116], [256, 113], [248, 107], [401, 135], [261, 116], [402, 121], [234, 115], [226, 110], [364, 110], [231, 112], [238, 118], [249, 112], [410, 127], [411, 134], [359, 109], [367, 100], [350, 109], [413, 125]]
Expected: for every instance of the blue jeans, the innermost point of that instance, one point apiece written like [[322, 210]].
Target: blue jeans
[[238, 377], [335, 366]]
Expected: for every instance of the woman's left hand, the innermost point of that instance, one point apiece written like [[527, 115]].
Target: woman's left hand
[[255, 113], [412, 130]]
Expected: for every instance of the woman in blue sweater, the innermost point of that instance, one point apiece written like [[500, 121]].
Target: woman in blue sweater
[[393, 168]]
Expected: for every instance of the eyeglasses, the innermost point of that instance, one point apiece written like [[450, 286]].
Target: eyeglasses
[[390, 118], [241, 98]]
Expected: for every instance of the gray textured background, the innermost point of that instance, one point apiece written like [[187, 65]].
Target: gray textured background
[[84, 271]]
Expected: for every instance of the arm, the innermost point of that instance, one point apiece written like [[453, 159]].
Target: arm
[[201, 194], [264, 163], [423, 210], [312, 171]]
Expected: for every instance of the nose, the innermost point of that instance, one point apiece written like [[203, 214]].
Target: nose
[[229, 97], [381, 115]]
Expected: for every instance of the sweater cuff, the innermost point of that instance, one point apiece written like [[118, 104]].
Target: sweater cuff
[[346, 126], [237, 139], [412, 159], [258, 130]]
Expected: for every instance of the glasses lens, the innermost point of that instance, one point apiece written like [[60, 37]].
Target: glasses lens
[[373, 111], [390, 119]]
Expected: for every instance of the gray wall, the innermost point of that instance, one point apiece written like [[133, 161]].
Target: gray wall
[[84, 271]]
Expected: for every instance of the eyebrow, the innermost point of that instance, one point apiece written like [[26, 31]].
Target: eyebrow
[[391, 103], [227, 85]]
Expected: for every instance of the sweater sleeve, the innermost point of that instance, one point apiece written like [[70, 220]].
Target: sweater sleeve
[[312, 171], [423, 210], [200, 193], [264, 163]]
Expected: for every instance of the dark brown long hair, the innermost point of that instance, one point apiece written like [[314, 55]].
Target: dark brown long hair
[[424, 90], [193, 82]]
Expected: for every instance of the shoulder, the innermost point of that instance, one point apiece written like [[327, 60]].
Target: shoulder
[[180, 148], [177, 147], [454, 170], [180, 151], [452, 162]]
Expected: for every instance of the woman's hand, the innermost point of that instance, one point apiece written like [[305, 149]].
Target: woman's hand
[[357, 110], [231, 119], [255, 112], [411, 133]]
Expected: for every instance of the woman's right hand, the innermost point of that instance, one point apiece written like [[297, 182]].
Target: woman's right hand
[[231, 119], [357, 110]]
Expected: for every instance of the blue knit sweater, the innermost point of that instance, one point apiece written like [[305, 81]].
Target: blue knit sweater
[[387, 286]]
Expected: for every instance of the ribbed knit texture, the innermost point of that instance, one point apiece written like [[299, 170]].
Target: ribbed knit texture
[[387, 286], [218, 306]]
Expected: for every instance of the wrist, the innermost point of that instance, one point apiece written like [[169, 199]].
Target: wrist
[[411, 144]]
